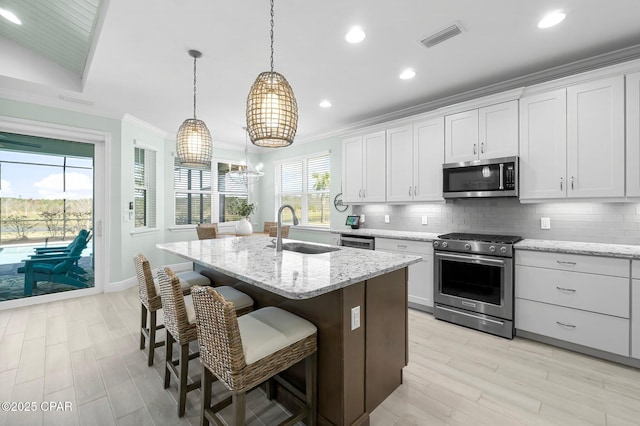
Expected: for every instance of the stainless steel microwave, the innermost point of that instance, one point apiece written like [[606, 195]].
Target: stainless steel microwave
[[497, 177]]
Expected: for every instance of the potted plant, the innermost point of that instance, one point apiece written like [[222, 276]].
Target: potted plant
[[241, 207]]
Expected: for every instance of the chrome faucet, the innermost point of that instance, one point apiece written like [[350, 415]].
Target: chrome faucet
[[279, 233]]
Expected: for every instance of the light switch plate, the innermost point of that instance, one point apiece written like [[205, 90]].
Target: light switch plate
[[545, 223], [362, 218], [355, 317], [386, 218], [425, 221]]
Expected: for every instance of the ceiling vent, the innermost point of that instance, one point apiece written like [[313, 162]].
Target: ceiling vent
[[442, 35]]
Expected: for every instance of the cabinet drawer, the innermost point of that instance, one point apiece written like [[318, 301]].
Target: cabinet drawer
[[404, 246], [574, 262], [591, 292], [604, 332]]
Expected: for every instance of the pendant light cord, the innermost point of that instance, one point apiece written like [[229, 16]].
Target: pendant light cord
[[194, 87], [271, 35]]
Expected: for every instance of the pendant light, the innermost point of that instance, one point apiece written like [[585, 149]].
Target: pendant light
[[272, 111], [193, 141]]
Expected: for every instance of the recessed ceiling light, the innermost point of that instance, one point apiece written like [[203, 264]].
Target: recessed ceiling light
[[551, 19], [9, 16], [325, 104], [355, 35], [407, 74]]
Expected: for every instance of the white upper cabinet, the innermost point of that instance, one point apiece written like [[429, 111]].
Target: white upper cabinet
[[352, 170], [633, 136], [364, 168], [400, 164], [484, 133], [461, 137], [543, 145], [595, 139], [414, 161], [572, 142]]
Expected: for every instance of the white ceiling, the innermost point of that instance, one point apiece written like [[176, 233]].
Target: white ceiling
[[139, 63]]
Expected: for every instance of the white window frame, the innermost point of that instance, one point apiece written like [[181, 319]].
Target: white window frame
[[192, 191], [150, 170], [215, 201], [304, 220]]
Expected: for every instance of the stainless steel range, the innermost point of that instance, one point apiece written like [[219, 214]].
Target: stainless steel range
[[473, 281]]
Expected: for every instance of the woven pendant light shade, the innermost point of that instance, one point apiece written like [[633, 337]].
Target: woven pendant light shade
[[272, 111], [193, 143]]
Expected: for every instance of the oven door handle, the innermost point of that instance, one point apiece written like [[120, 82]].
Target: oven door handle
[[469, 259]]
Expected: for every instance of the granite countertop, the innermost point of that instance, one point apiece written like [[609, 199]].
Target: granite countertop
[[386, 233], [289, 274], [575, 247]]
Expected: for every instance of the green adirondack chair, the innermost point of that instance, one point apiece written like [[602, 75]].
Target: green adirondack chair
[[56, 269]]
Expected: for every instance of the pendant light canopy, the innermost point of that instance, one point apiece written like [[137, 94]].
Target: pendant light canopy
[[193, 141], [272, 111]]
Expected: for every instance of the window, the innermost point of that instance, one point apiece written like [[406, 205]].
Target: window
[[196, 199], [304, 183], [192, 187], [229, 188], [144, 175]]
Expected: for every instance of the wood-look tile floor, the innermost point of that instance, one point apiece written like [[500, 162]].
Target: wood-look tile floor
[[85, 351]]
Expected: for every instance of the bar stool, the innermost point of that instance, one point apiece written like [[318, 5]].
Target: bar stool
[[150, 300], [244, 352], [207, 231], [180, 323]]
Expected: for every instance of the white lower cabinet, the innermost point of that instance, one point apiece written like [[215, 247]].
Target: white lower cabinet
[[420, 274], [575, 298], [635, 309]]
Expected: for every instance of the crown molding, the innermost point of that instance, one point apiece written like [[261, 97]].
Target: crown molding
[[128, 118]]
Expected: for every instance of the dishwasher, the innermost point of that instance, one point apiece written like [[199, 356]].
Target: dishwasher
[[367, 243]]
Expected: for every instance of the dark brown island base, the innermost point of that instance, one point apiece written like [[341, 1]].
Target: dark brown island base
[[357, 369]]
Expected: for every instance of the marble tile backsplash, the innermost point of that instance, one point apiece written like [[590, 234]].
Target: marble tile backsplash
[[617, 223]]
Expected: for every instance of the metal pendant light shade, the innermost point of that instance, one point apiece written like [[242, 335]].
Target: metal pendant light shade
[[272, 110], [194, 145]]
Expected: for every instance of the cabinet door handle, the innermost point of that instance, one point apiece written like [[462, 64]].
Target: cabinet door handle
[[572, 183], [565, 325], [474, 149], [360, 194], [401, 246], [561, 179], [415, 190], [409, 190], [568, 290], [364, 193], [482, 148], [564, 262]]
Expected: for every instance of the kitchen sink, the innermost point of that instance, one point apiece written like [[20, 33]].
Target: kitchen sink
[[308, 248]]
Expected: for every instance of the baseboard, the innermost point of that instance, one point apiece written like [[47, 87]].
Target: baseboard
[[133, 281]]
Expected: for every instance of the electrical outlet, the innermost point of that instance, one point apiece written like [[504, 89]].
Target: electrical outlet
[[425, 221], [355, 317], [545, 223], [362, 218], [386, 218]]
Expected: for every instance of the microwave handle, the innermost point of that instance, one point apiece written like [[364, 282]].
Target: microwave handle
[[501, 176]]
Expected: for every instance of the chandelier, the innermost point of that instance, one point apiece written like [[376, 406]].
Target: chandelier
[[246, 171], [272, 111], [193, 141]]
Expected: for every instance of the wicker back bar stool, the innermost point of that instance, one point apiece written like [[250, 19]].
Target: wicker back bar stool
[[271, 228], [243, 352], [180, 324], [207, 231], [150, 300]]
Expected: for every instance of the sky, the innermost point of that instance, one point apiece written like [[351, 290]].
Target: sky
[[44, 181]]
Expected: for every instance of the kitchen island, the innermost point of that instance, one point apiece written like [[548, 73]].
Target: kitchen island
[[360, 355]]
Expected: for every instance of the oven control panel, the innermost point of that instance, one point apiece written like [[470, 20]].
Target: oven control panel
[[475, 247]]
